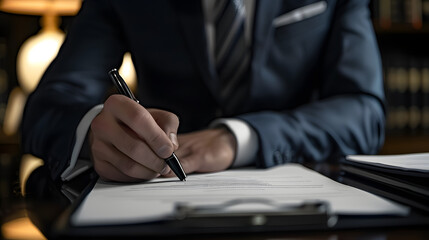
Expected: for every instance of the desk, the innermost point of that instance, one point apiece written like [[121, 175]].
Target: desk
[[47, 205]]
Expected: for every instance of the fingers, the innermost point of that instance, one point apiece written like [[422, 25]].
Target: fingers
[[113, 165], [108, 172], [143, 124], [120, 137], [127, 142], [124, 150]]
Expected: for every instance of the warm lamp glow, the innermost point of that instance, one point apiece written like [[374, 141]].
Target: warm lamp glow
[[35, 56], [21, 228], [28, 164], [13, 114], [128, 72], [38, 51], [40, 7]]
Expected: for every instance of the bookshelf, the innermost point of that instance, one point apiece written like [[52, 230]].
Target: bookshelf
[[402, 30]]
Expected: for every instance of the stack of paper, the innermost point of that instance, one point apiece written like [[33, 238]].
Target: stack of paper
[[403, 177]]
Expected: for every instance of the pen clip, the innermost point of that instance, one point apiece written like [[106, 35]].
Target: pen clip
[[121, 85]]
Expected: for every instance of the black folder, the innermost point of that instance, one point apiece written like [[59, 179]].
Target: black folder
[[404, 186]]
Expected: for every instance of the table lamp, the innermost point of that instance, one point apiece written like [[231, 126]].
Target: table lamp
[[37, 52], [35, 55]]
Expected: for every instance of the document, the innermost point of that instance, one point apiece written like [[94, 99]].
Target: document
[[155, 200], [418, 162]]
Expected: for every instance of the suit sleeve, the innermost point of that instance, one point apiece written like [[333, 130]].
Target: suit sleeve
[[75, 81], [348, 116]]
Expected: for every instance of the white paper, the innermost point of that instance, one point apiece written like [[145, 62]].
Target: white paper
[[155, 200], [410, 162]]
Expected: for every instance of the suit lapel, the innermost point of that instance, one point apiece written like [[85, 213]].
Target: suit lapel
[[191, 22]]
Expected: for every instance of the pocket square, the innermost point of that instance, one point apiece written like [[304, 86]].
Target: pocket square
[[300, 14]]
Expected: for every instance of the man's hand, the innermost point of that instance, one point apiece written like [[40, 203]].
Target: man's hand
[[129, 142], [208, 150]]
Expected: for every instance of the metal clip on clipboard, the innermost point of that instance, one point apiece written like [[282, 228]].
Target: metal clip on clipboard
[[306, 215]]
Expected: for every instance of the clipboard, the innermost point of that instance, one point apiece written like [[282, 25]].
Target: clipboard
[[208, 219], [203, 220]]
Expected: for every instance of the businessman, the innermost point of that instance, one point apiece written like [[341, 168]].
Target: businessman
[[221, 83]]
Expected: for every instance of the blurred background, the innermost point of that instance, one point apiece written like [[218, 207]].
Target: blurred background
[[31, 32]]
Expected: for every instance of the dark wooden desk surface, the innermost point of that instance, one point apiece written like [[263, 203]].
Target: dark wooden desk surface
[[46, 206]]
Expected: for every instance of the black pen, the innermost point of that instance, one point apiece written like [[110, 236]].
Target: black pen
[[172, 161]]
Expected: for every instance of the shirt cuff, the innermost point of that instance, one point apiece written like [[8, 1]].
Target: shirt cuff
[[247, 140], [76, 166]]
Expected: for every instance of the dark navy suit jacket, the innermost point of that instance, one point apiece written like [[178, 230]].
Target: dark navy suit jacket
[[316, 90]]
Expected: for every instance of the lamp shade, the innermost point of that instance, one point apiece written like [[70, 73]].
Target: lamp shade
[[34, 57], [41, 7], [37, 52]]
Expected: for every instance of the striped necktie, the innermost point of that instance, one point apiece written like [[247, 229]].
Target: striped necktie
[[231, 53]]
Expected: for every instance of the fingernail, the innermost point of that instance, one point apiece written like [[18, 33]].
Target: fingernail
[[165, 171], [173, 138], [164, 151]]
